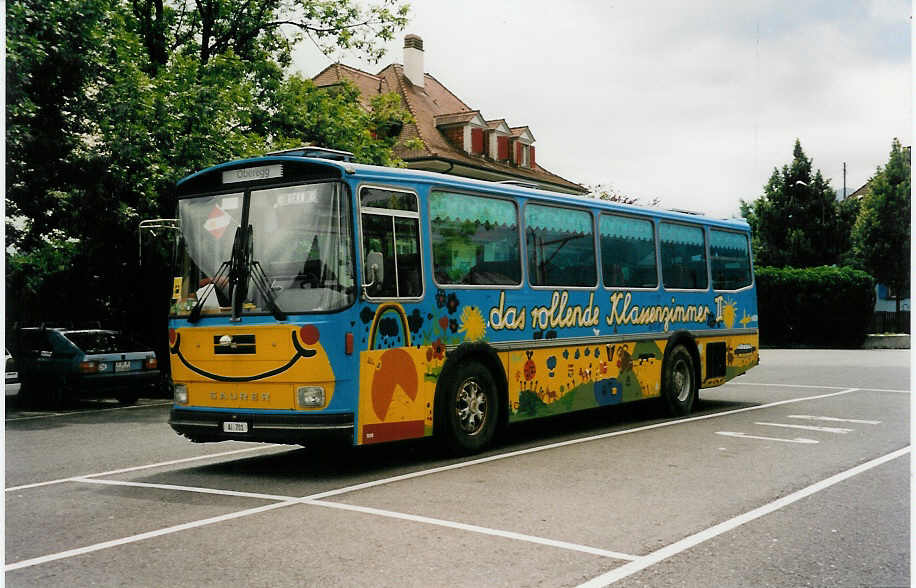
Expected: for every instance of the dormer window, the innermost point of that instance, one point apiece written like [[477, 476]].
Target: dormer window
[[464, 130], [523, 150]]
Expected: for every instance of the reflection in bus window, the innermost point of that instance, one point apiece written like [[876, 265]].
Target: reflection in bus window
[[627, 252], [561, 246], [475, 240], [683, 256], [730, 259]]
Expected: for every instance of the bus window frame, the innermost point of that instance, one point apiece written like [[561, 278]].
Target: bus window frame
[[516, 201], [358, 241], [656, 249], [750, 258], [595, 251], [705, 229]]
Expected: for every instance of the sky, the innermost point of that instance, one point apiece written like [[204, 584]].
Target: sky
[[694, 103]]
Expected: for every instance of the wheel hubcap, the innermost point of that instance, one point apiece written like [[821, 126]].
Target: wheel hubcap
[[682, 380], [471, 407]]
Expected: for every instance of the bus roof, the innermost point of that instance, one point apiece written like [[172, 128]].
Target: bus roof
[[380, 174]]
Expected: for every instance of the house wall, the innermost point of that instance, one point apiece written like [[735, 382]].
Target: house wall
[[885, 304]]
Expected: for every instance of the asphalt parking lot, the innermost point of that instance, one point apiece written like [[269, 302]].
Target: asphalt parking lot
[[795, 474]]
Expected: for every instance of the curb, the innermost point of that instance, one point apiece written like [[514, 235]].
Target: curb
[[886, 342]]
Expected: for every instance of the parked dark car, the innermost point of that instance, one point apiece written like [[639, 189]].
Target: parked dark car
[[12, 376], [57, 365]]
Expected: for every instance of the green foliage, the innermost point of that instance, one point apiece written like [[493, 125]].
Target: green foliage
[[110, 102], [881, 235], [795, 222], [612, 194], [824, 306]]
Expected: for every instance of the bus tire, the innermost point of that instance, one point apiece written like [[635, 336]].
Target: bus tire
[[679, 381], [471, 411]]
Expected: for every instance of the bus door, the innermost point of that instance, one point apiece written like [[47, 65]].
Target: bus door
[[395, 399]]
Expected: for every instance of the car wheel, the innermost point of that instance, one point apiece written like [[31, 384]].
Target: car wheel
[[679, 381], [471, 412]]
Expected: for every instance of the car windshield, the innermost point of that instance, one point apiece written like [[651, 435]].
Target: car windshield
[[296, 255], [102, 341]]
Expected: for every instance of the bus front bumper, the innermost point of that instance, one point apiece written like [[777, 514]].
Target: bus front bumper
[[207, 426]]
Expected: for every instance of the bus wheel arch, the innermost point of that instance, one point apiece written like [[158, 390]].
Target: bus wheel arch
[[682, 360], [466, 364]]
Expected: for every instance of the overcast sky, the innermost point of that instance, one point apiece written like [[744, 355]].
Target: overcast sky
[[691, 102]]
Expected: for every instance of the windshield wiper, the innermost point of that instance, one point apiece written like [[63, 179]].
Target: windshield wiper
[[220, 275]]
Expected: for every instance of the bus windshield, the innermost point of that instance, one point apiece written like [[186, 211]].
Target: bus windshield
[[295, 256]]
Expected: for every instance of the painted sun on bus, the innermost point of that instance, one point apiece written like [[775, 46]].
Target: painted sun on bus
[[318, 298]]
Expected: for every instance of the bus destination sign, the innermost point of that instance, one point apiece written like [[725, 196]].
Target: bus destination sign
[[248, 174]]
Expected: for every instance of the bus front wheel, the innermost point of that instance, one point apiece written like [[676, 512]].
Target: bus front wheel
[[679, 381], [471, 411]]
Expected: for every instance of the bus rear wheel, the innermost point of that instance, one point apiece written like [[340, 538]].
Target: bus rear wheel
[[679, 381], [471, 411]]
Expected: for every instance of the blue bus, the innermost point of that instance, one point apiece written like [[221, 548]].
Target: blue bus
[[315, 297]]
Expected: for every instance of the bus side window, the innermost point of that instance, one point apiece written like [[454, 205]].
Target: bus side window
[[391, 243]]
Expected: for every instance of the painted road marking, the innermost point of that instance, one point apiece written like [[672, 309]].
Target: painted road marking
[[474, 529], [196, 489], [734, 383], [731, 524], [801, 440], [372, 484], [149, 535], [809, 417], [86, 412], [142, 467], [284, 501], [837, 430]]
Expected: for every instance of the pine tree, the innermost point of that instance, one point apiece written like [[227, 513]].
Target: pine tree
[[794, 223]]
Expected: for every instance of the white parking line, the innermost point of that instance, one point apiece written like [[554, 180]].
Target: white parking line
[[731, 524], [86, 412], [283, 501], [801, 440], [474, 529], [464, 464], [383, 481], [766, 385], [196, 489], [837, 430], [141, 467], [151, 534], [809, 417]]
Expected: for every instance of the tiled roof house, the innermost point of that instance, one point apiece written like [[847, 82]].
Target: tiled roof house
[[456, 139]]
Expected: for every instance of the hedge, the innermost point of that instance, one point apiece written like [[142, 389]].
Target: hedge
[[824, 306]]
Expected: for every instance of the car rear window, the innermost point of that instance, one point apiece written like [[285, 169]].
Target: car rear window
[[101, 342]]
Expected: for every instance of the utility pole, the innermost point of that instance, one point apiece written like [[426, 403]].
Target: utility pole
[[844, 180]]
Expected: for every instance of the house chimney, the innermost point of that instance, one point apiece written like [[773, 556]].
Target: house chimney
[[413, 59]]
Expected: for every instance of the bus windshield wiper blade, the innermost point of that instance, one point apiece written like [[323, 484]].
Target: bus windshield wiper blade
[[220, 274]]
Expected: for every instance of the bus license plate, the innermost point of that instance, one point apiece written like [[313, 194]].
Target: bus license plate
[[122, 366], [235, 427]]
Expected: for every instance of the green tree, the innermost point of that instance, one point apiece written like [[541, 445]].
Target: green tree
[[794, 223], [110, 102], [881, 235]]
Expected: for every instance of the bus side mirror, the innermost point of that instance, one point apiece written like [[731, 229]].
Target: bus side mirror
[[375, 271]]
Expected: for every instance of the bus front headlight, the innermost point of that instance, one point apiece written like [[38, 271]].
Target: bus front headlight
[[181, 394], [310, 396]]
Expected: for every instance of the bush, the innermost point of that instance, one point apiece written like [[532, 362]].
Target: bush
[[824, 306]]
